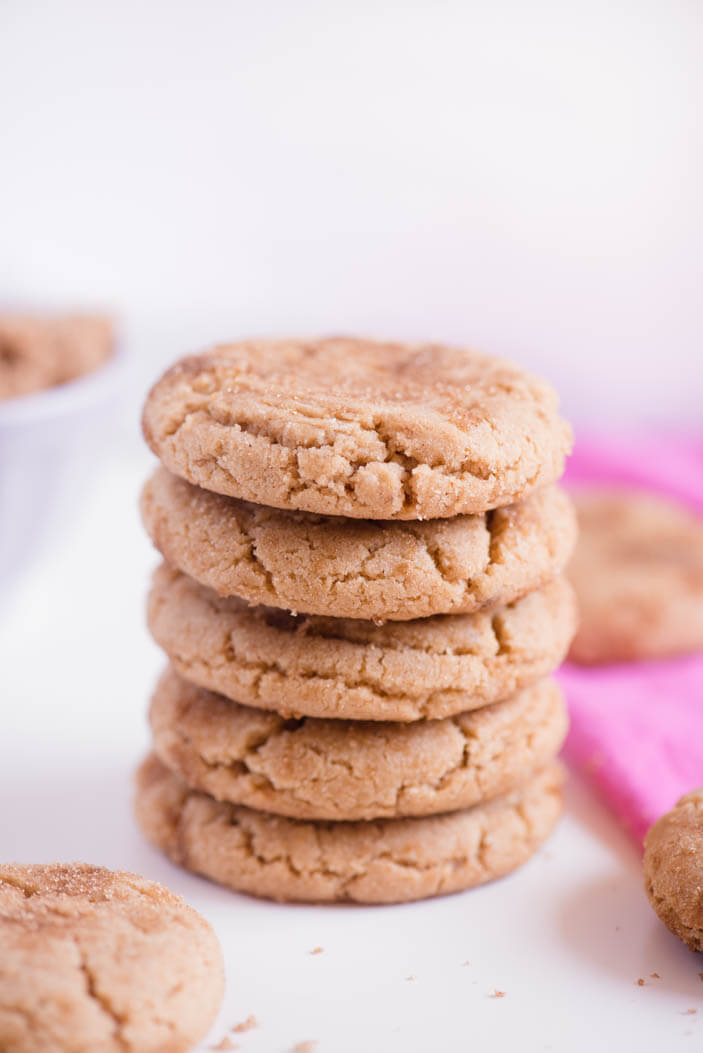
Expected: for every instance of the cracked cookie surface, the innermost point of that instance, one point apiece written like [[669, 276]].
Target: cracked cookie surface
[[337, 769], [94, 959], [355, 670], [349, 568], [673, 865], [356, 427], [378, 861], [638, 575]]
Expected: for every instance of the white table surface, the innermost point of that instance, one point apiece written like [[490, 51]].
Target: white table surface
[[566, 938]]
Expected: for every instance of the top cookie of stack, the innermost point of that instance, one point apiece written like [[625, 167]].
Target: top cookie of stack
[[352, 482], [357, 428]]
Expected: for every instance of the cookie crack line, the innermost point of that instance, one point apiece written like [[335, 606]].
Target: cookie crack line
[[173, 589], [101, 1000], [241, 764], [324, 868], [420, 704], [345, 881], [407, 571], [410, 464], [409, 502]]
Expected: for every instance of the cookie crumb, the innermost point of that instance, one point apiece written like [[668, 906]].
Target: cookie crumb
[[317, 950], [467, 962], [224, 1043], [689, 1012], [245, 1025], [640, 982], [308, 1046], [617, 928], [655, 976], [495, 993], [411, 977]]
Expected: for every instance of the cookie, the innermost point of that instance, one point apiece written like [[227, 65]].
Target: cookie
[[94, 959], [358, 428], [38, 353], [337, 769], [350, 568], [638, 575], [380, 861], [673, 869], [355, 670]]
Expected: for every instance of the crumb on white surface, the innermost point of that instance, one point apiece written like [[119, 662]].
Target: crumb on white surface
[[245, 1025]]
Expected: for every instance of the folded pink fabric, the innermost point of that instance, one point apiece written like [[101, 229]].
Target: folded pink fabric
[[637, 728]]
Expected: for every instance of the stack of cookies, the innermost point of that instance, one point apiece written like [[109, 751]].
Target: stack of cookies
[[361, 603]]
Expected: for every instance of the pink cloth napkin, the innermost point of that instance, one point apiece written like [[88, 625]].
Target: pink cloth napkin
[[637, 728]]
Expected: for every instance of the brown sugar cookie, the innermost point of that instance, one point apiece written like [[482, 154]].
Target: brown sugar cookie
[[381, 861], [349, 568], [355, 670], [338, 769], [98, 960], [42, 352], [357, 428], [673, 869], [638, 575]]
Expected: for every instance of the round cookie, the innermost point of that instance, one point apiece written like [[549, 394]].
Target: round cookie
[[638, 575], [673, 869], [41, 352], [357, 428], [380, 861], [94, 959], [355, 670], [348, 568], [337, 769]]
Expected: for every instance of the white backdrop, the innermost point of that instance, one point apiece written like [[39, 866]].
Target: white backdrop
[[524, 177]]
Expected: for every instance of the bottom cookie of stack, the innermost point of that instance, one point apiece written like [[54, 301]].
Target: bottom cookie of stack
[[372, 861]]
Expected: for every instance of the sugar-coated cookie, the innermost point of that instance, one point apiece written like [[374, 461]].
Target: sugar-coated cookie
[[638, 575], [357, 428], [355, 670], [98, 960], [339, 769], [379, 861], [350, 568]]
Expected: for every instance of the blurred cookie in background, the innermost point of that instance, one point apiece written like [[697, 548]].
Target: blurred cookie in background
[[638, 576], [39, 352], [62, 383]]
